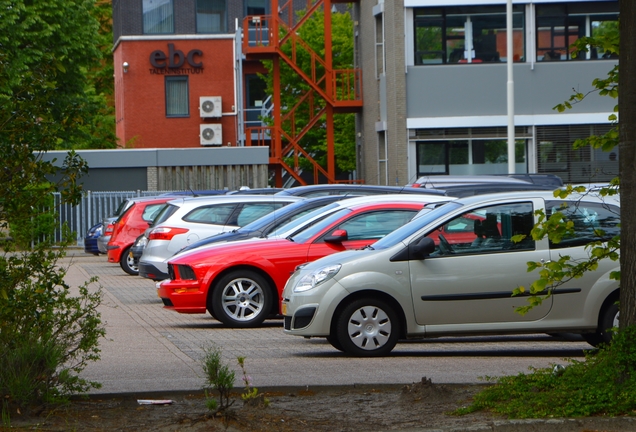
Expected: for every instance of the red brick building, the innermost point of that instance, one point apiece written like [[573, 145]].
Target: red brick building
[[180, 80]]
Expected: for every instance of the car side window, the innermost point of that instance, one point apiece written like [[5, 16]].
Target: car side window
[[251, 212], [151, 211], [377, 224], [211, 214], [591, 222], [486, 230]]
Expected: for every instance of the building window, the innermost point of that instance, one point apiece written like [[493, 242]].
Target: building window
[[557, 155], [560, 25], [466, 34], [158, 16], [177, 100], [468, 157], [211, 16], [256, 7]]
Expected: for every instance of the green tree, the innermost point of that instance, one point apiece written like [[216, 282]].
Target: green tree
[[53, 88], [50, 98], [293, 87]]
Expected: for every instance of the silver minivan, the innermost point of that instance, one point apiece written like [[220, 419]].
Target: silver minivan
[[452, 271]]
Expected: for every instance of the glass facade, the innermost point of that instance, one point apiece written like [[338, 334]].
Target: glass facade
[[470, 34], [560, 25]]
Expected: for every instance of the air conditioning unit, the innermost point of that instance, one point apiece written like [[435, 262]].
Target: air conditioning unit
[[211, 135], [210, 106]]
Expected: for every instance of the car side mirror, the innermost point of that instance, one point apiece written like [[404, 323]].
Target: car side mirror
[[338, 236], [422, 249]]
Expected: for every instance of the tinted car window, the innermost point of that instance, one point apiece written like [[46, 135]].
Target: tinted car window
[[251, 212], [211, 214], [151, 211], [375, 225], [165, 213], [592, 222], [486, 230]]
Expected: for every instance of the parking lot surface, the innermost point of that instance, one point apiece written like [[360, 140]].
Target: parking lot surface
[[148, 348]]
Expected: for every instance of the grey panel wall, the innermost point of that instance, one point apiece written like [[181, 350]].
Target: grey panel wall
[[115, 179], [464, 90]]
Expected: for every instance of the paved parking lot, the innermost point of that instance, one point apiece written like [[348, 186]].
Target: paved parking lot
[[148, 348]]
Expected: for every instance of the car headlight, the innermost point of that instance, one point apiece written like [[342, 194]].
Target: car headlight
[[316, 277]]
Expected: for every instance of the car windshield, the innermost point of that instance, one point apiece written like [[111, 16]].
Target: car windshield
[[308, 233], [423, 218], [303, 220]]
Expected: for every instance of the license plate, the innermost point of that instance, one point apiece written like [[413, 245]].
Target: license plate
[[283, 308]]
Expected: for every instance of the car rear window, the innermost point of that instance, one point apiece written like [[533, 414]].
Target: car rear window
[[211, 214], [592, 222], [151, 211], [165, 213]]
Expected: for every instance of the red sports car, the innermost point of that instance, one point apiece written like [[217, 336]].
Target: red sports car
[[239, 283], [132, 223]]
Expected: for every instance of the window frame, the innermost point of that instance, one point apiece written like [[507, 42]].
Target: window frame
[[169, 79], [441, 15]]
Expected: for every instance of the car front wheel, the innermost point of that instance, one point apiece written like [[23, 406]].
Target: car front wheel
[[127, 263], [368, 328], [241, 299]]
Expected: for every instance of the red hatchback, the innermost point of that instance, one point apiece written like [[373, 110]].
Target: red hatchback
[[130, 225], [239, 283]]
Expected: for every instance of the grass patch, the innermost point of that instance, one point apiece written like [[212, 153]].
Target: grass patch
[[604, 384]]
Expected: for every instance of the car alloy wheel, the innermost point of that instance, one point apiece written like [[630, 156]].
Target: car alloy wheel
[[241, 299], [368, 328], [127, 263]]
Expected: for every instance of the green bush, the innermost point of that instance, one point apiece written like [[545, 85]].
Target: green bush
[[603, 384], [40, 225], [47, 333]]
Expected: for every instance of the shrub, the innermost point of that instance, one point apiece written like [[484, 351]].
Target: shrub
[[47, 334]]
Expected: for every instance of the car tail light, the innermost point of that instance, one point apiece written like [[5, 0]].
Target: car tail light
[[109, 229], [165, 233], [416, 185]]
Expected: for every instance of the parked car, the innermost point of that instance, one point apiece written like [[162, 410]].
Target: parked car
[[239, 283], [187, 220], [353, 189], [415, 283], [128, 226], [262, 227], [445, 181], [90, 239], [458, 186]]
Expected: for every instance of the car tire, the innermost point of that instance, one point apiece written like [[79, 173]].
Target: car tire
[[127, 263], [241, 299], [607, 321], [368, 328], [333, 340]]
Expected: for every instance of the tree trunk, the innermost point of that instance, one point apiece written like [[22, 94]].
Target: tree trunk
[[627, 157]]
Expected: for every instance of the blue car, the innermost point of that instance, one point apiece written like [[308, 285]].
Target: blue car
[[90, 239]]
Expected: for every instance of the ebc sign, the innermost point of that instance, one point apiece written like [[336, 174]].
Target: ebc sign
[[173, 62]]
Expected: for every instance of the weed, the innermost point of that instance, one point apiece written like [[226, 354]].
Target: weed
[[250, 394], [218, 376]]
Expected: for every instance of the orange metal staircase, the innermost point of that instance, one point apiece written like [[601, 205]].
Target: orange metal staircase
[[275, 37]]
